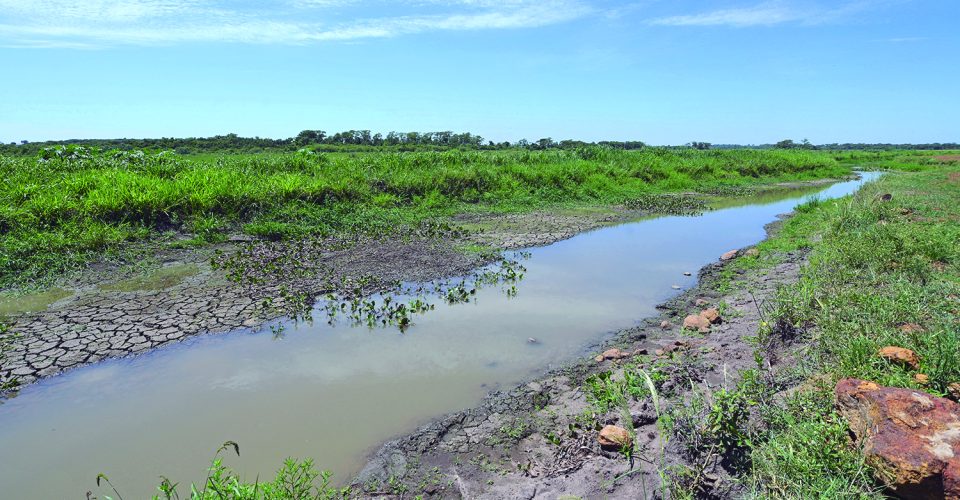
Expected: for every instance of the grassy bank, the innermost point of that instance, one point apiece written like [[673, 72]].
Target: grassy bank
[[880, 273], [71, 205]]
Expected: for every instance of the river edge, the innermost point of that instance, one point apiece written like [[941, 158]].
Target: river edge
[[114, 319], [531, 441]]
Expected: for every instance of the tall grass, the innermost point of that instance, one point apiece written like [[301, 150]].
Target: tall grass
[[880, 273], [59, 209]]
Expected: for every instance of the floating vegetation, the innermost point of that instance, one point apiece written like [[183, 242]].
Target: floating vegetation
[[291, 275], [668, 204], [387, 308]]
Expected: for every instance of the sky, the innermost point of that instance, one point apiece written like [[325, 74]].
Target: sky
[[663, 72]]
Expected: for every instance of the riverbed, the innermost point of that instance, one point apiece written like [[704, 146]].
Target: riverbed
[[334, 392]]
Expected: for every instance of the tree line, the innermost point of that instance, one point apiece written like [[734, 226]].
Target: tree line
[[365, 140]]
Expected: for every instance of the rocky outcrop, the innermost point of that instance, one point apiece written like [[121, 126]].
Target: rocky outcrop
[[910, 438]]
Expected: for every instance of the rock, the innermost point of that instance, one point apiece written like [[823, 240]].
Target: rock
[[640, 352], [666, 325], [752, 252], [729, 255], [701, 302], [953, 390], [900, 356], [697, 322], [910, 438], [911, 328], [659, 352], [921, 378], [711, 315], [615, 438], [612, 354], [886, 197]]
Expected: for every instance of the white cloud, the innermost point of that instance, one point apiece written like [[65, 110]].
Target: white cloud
[[760, 15], [68, 24], [771, 14]]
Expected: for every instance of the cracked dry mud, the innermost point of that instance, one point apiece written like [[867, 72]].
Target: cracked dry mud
[[470, 454], [99, 323]]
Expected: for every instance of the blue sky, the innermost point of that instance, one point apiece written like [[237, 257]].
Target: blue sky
[[665, 72]]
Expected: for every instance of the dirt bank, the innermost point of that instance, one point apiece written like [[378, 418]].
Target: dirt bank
[[539, 440]]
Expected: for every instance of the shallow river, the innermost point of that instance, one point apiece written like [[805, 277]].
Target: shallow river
[[335, 393]]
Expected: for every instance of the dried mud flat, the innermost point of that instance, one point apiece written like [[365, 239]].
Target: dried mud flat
[[520, 444]]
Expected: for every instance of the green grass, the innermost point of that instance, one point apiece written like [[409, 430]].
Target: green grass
[[874, 266], [73, 205]]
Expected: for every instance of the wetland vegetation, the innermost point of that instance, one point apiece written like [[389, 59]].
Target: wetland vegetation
[[876, 264], [72, 204]]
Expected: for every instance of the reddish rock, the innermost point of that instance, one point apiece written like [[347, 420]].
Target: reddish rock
[[900, 356], [729, 255], [953, 390], [921, 378], [612, 354], [665, 325], [697, 322], [911, 328], [712, 315], [910, 438], [701, 302], [613, 437], [752, 252]]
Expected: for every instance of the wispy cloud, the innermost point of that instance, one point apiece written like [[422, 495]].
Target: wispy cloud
[[771, 14], [907, 39], [69, 24], [760, 15]]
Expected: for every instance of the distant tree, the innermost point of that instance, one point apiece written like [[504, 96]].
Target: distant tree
[[545, 143], [786, 144], [700, 145], [306, 137], [24, 141]]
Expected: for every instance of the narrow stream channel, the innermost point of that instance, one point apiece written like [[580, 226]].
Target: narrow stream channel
[[335, 393]]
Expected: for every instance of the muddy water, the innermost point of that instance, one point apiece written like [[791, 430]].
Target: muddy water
[[334, 393]]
